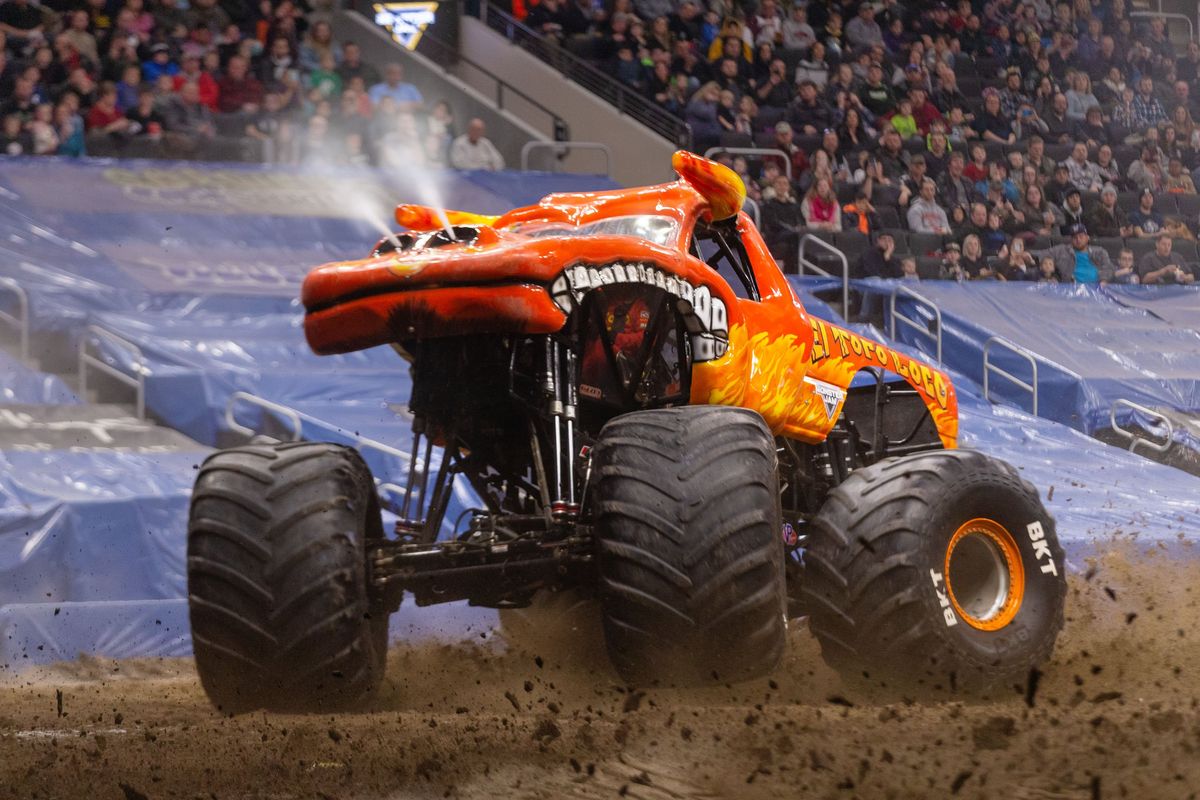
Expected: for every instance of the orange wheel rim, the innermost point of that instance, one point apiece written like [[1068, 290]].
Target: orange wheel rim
[[985, 578]]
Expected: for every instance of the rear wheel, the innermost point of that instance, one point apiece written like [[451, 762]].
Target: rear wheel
[[939, 571], [277, 578], [689, 552]]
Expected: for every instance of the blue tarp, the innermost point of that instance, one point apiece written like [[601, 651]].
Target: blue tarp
[[21, 384], [93, 525], [1092, 350], [97, 235]]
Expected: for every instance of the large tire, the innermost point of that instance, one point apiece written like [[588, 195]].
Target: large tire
[[689, 549], [937, 572], [277, 578]]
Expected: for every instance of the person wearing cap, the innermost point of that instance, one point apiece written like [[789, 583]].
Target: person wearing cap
[[1107, 219], [875, 95], [951, 268], [1163, 265], [1072, 209], [1078, 261], [784, 140], [160, 63], [1145, 219]]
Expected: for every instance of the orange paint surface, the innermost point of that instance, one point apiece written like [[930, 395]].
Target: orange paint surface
[[519, 275]]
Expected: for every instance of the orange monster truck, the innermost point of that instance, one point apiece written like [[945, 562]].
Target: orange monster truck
[[657, 431]]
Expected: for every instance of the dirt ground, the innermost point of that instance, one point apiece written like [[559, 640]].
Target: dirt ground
[[1114, 715]]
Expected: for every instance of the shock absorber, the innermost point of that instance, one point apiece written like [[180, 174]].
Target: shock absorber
[[560, 362]]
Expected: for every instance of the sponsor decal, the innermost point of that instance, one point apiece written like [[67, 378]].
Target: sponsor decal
[[832, 341], [939, 586], [830, 395], [790, 537], [406, 22], [590, 391], [1041, 548], [697, 302]]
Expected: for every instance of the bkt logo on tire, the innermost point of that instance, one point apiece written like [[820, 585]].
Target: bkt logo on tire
[[1041, 548]]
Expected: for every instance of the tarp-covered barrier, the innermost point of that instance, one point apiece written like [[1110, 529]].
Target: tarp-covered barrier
[[21, 384], [1090, 349], [97, 235]]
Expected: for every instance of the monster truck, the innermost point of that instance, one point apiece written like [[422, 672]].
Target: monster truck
[[655, 426]]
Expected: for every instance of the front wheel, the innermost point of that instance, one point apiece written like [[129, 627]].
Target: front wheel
[[277, 578], [939, 571], [689, 552]]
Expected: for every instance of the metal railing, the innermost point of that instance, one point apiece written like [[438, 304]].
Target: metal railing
[[802, 263], [296, 420], [1136, 437], [560, 149], [1168, 17], [626, 99], [920, 326], [92, 335], [20, 320], [447, 55], [988, 368], [754, 151]]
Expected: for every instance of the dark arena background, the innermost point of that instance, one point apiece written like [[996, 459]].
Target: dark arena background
[[1001, 191]]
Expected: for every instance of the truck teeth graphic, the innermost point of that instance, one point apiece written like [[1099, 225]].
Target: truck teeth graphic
[[830, 395], [711, 342]]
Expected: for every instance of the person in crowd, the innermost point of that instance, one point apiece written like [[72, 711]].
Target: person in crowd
[[820, 207], [1078, 261], [473, 150], [1126, 270], [408, 98], [1163, 265], [974, 262], [1035, 214], [1019, 264], [1145, 220], [1083, 173], [879, 261], [1106, 218], [238, 90], [1072, 210], [1176, 180], [1146, 173], [924, 214], [951, 268], [781, 215]]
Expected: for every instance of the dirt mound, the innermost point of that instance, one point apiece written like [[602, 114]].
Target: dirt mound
[[1114, 714]]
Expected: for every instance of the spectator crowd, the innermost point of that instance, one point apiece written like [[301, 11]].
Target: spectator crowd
[[1000, 139], [198, 77]]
